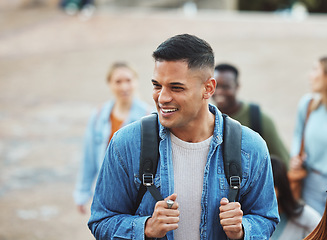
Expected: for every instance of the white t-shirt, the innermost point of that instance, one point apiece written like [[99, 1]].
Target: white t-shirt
[[189, 161]]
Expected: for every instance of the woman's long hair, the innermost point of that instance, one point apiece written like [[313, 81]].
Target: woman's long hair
[[320, 232], [286, 201]]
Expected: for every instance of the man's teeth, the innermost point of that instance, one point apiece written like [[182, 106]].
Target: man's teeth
[[169, 110]]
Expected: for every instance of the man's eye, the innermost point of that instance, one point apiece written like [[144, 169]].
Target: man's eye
[[156, 86], [177, 88]]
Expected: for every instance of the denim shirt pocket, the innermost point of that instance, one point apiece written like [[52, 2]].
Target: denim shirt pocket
[[148, 202]]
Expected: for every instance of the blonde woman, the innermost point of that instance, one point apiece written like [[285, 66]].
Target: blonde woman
[[104, 122], [315, 138]]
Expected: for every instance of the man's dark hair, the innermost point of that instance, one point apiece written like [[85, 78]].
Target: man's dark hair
[[224, 67], [195, 51]]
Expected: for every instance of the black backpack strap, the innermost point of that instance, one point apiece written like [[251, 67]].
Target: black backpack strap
[[232, 156], [148, 158], [255, 118]]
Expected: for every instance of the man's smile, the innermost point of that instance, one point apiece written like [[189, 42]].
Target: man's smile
[[169, 110]]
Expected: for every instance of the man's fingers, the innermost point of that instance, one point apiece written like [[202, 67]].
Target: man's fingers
[[230, 206], [232, 213], [172, 198], [164, 219], [172, 227], [231, 218], [172, 220], [164, 211], [159, 226], [168, 227], [172, 213], [163, 204], [233, 228], [233, 231], [167, 220], [224, 201]]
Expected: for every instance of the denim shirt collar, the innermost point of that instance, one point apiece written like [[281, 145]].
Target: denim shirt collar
[[217, 133]]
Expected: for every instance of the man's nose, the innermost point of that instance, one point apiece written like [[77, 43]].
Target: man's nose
[[164, 96]]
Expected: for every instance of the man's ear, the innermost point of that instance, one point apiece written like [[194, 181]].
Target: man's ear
[[210, 88]]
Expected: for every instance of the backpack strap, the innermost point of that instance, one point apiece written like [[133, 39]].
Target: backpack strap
[[232, 156], [148, 158], [150, 155], [255, 118]]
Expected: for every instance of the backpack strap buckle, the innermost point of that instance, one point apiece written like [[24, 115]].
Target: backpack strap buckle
[[235, 182], [148, 179]]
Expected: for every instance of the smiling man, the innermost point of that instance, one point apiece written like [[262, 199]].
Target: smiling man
[[190, 169], [248, 114]]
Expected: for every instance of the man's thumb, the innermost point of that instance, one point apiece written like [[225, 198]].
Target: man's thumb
[[172, 197], [224, 201]]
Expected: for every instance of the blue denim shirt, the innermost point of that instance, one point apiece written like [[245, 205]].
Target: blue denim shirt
[[118, 182], [95, 144]]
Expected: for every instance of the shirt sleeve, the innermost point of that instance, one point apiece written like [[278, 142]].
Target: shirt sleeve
[[113, 205], [88, 169], [258, 199]]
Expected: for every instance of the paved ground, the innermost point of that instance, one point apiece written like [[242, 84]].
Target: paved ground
[[52, 70]]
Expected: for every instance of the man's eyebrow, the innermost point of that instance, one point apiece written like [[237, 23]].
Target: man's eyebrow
[[176, 84], [172, 83], [154, 81]]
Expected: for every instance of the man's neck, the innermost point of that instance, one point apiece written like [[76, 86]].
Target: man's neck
[[197, 132]]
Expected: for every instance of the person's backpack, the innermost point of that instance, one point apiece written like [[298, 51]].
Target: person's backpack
[[150, 155], [255, 118]]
